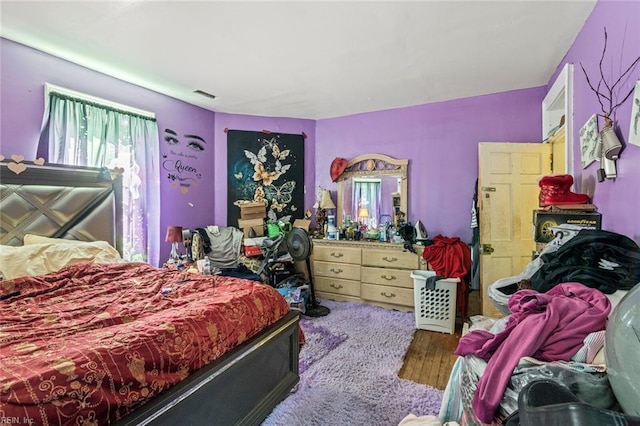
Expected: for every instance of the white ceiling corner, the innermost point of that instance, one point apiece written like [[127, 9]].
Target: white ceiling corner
[[307, 59]]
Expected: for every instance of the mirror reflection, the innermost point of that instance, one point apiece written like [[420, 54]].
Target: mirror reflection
[[370, 199], [372, 191]]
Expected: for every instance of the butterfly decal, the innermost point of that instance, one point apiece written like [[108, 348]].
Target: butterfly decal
[[294, 208], [238, 175], [280, 168], [259, 195], [279, 155], [260, 157], [269, 142], [260, 174], [275, 205], [281, 194]]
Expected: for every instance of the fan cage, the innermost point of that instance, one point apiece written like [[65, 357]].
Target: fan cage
[[299, 236], [435, 309]]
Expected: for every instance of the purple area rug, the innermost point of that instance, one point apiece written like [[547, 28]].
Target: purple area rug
[[319, 341], [356, 381]]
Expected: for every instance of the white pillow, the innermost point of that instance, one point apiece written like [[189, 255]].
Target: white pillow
[[29, 239], [39, 259]]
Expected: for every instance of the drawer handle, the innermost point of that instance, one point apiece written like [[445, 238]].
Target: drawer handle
[[338, 255], [335, 271], [389, 295], [388, 277], [336, 286], [390, 259]]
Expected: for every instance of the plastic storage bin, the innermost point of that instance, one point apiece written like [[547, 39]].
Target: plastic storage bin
[[435, 309]]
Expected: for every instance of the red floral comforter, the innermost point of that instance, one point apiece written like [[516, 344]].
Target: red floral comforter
[[89, 343]]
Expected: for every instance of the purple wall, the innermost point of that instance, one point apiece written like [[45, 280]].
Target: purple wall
[[440, 139], [441, 142], [617, 199], [23, 73], [253, 123]]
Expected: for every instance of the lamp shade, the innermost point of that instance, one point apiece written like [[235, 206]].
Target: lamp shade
[[325, 201], [363, 212], [174, 234]]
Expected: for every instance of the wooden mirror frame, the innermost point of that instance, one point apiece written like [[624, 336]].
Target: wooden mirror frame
[[368, 165]]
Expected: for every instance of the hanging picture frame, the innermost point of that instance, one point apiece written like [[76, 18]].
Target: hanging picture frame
[[589, 141], [265, 168], [634, 125]]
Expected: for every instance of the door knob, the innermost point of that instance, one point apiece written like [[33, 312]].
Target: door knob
[[486, 249]]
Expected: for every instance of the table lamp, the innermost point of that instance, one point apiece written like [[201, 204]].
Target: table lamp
[[363, 213], [174, 236]]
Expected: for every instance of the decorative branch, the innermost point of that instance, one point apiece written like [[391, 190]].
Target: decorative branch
[[609, 95]]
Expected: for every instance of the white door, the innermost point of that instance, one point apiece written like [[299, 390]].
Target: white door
[[507, 195]]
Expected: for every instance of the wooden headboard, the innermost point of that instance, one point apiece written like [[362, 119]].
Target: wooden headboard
[[78, 203]]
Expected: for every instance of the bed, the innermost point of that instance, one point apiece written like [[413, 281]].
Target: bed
[[125, 343]]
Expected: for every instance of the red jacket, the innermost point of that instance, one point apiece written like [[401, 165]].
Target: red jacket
[[449, 257]]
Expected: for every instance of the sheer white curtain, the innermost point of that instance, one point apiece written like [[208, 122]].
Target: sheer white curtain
[[84, 133], [366, 194]]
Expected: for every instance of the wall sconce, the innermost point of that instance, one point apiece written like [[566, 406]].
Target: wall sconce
[[174, 236]]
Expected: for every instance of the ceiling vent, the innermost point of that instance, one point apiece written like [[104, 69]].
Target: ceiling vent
[[203, 93]]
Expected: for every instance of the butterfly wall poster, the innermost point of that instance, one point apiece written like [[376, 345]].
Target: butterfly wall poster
[[267, 169]]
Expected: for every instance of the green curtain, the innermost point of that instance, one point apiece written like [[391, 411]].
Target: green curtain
[[82, 133]]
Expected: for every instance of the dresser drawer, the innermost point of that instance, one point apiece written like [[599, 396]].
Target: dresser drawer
[[392, 295], [346, 271], [338, 254], [387, 276], [391, 259], [338, 286]]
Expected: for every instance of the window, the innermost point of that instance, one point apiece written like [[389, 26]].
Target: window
[[366, 200], [82, 130]]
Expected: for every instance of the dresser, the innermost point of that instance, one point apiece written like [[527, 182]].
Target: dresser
[[365, 272]]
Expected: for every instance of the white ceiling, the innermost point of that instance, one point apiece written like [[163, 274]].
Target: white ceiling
[[307, 59]]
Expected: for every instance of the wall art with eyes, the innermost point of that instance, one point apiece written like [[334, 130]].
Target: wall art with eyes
[[179, 155], [265, 167]]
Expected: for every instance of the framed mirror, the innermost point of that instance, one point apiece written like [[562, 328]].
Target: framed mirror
[[373, 190]]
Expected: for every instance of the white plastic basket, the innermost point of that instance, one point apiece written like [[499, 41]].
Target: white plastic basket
[[435, 309]]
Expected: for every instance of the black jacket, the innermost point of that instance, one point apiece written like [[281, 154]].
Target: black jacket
[[598, 259]]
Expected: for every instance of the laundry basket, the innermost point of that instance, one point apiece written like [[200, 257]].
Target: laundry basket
[[435, 309]]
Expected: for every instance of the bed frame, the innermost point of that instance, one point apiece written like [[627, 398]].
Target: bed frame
[[240, 388]]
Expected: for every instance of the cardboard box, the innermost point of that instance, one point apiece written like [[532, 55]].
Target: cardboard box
[[543, 222], [302, 223], [248, 224], [253, 211]]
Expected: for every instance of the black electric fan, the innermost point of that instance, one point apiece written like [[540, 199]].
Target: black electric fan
[[300, 245]]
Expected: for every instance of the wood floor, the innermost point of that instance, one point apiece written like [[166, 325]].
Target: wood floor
[[430, 358]]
